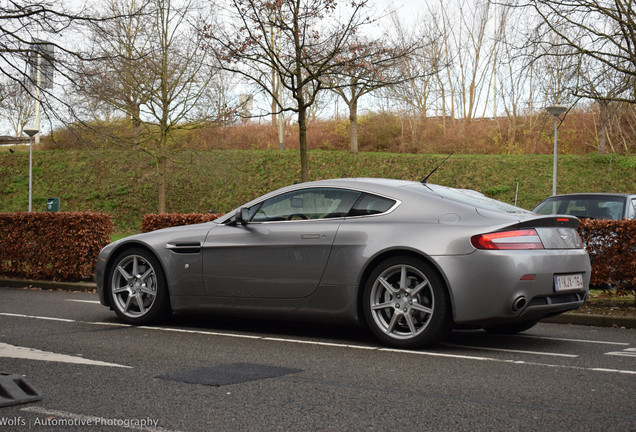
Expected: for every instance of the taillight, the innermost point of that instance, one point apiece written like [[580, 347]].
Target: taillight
[[516, 239]]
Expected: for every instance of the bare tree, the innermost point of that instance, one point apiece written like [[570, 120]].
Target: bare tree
[[623, 129], [16, 106], [154, 72], [516, 72], [219, 104], [603, 32], [367, 66], [418, 89], [312, 36], [445, 30], [122, 45], [473, 56], [24, 23], [603, 87], [50, 30], [438, 36]]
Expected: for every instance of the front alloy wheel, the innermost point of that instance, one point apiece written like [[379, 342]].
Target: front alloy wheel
[[406, 304], [137, 288]]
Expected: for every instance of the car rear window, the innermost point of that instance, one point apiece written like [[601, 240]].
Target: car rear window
[[596, 207], [469, 197]]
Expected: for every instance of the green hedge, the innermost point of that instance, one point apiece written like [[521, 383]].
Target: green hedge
[[52, 246]]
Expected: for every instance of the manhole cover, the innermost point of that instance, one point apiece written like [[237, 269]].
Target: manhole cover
[[228, 374]]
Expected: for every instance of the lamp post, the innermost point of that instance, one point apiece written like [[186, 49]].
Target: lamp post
[[556, 111], [31, 132]]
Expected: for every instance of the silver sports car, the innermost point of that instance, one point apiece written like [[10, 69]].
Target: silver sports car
[[410, 260]]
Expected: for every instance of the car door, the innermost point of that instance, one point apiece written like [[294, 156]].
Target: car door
[[282, 251]]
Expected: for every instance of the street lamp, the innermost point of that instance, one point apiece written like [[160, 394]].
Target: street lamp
[[556, 111], [31, 132]]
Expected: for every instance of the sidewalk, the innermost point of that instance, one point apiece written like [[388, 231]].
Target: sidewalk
[[566, 318]]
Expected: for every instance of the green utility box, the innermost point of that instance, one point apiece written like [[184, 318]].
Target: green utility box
[[52, 204]]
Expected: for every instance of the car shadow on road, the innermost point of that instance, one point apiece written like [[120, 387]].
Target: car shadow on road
[[339, 334], [457, 340]]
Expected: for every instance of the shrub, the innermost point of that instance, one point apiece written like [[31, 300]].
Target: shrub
[[612, 249], [152, 222], [52, 246]]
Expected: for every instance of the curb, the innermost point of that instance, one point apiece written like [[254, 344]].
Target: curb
[[60, 286], [620, 321], [565, 318]]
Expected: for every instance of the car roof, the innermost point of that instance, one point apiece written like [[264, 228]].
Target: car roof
[[360, 182], [591, 194], [382, 186]]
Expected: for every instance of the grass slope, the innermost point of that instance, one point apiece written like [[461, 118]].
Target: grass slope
[[123, 183]]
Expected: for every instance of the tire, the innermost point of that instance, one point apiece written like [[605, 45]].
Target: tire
[[406, 304], [511, 328], [137, 288]]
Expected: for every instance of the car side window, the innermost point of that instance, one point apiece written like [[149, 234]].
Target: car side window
[[371, 204], [314, 203], [631, 209]]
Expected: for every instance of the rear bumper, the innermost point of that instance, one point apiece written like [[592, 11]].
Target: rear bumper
[[490, 287]]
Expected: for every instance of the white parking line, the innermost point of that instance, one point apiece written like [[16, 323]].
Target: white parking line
[[629, 352], [83, 301], [510, 350], [520, 362], [25, 353], [349, 346], [38, 317], [573, 340]]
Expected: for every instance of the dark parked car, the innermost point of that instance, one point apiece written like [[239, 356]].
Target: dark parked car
[[613, 206], [410, 260]]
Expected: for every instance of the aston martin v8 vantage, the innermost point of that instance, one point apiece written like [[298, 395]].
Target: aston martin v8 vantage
[[409, 260]]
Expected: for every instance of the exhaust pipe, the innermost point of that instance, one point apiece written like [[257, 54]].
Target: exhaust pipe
[[518, 304]]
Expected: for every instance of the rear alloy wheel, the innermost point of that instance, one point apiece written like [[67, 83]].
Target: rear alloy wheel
[[406, 304], [511, 328], [137, 288]]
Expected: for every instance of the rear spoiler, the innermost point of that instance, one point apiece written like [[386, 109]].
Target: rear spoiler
[[565, 221]]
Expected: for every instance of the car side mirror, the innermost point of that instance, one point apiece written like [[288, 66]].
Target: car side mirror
[[242, 216]]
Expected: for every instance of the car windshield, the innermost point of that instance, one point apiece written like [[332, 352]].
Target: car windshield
[[471, 198], [590, 207]]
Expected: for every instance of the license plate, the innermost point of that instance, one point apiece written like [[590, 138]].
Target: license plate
[[568, 282]]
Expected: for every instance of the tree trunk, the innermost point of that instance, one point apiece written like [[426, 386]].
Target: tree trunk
[[443, 93], [302, 131], [603, 123], [162, 162], [274, 119], [135, 114], [353, 122]]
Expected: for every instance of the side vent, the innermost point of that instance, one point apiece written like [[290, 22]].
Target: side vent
[[185, 247]]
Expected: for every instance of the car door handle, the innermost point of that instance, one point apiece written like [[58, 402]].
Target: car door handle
[[310, 236]]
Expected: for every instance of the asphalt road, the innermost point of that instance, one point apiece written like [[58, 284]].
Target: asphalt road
[[214, 374]]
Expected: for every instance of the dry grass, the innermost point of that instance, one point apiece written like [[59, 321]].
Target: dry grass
[[385, 132], [608, 303]]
